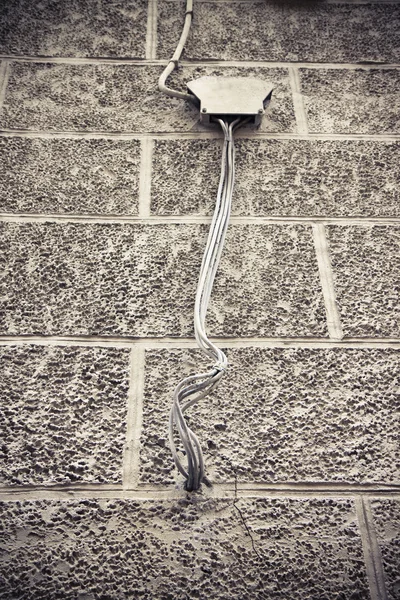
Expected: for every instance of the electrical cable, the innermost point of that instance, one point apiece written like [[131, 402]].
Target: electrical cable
[[173, 63], [200, 385], [195, 387]]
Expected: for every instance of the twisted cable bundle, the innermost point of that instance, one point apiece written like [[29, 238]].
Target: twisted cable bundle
[[195, 387]]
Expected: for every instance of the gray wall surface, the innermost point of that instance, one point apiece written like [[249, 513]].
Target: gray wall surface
[[106, 191]]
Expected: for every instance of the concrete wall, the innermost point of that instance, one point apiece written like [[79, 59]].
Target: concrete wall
[[106, 190]]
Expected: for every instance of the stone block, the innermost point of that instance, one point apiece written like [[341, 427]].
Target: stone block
[[69, 176], [63, 414], [387, 527], [121, 98], [141, 280], [79, 28], [352, 101], [366, 268], [281, 415], [279, 177], [87, 549], [312, 32]]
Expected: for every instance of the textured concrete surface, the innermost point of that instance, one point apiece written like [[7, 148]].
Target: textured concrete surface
[[182, 181], [139, 280], [77, 28], [69, 176], [120, 98], [303, 548], [280, 177], [91, 508], [63, 414], [283, 31], [282, 415], [387, 526], [351, 101], [366, 265]]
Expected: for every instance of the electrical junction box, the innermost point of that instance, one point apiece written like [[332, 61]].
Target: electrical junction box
[[231, 96]]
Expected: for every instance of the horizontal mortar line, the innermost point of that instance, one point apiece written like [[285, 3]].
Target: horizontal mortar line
[[227, 490], [87, 60], [112, 219], [325, 1], [381, 137], [143, 62], [187, 342], [321, 3], [376, 2], [61, 487], [296, 487], [370, 65], [213, 133]]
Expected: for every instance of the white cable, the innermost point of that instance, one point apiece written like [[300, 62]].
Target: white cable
[[173, 63], [196, 387]]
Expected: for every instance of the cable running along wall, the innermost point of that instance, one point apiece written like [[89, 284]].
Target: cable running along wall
[[229, 102], [194, 388]]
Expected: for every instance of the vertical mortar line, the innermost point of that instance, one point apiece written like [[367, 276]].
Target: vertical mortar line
[[5, 69], [130, 469], [298, 102], [151, 34], [372, 554], [146, 167], [327, 284]]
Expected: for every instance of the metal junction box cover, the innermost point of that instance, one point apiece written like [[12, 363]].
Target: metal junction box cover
[[224, 96]]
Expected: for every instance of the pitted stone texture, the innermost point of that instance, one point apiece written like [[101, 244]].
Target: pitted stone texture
[[366, 266], [63, 414], [283, 31], [192, 547], [185, 176], [121, 98], [279, 177], [69, 176], [387, 526], [347, 101], [281, 415], [141, 280], [77, 28]]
